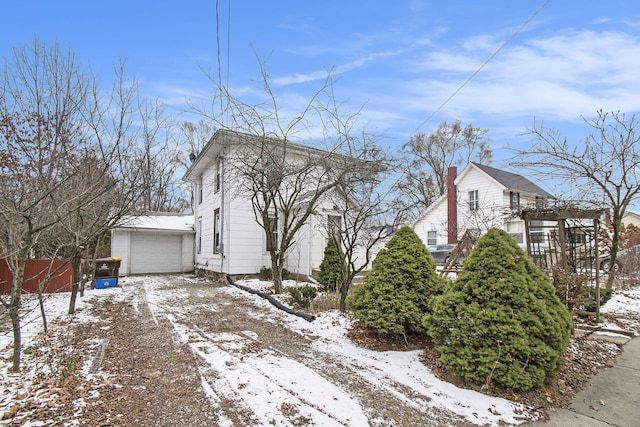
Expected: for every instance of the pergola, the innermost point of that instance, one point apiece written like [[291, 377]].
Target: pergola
[[552, 240]]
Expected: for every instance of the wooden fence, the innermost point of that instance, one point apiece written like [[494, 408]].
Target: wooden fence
[[35, 270]]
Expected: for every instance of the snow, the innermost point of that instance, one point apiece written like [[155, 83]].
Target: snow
[[623, 302], [265, 380], [179, 222]]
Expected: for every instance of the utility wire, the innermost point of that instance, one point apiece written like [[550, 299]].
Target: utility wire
[[218, 51], [483, 65], [228, 42]]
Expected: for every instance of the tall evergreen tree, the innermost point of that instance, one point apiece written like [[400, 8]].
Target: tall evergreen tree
[[332, 267], [396, 293], [501, 321]]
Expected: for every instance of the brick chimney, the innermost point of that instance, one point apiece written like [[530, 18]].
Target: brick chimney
[[452, 206]]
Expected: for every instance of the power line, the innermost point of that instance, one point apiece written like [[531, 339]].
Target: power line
[[483, 65], [218, 51], [228, 41]]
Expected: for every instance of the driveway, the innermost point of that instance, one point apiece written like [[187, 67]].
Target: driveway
[[186, 351]]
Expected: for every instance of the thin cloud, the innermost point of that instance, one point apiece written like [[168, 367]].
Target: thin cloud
[[561, 75]]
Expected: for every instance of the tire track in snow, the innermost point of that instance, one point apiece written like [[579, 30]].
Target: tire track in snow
[[264, 380]]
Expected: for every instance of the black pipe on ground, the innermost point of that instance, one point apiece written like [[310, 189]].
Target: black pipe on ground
[[272, 300]]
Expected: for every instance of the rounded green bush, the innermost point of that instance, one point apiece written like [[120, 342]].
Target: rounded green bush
[[396, 293], [501, 320]]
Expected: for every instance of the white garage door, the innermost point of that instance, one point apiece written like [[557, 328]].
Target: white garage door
[[153, 253]]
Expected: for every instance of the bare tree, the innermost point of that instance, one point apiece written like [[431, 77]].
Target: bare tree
[[194, 137], [157, 158], [605, 167], [284, 180], [64, 162], [428, 157]]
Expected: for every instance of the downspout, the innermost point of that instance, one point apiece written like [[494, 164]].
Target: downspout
[[222, 212], [309, 268], [452, 206]]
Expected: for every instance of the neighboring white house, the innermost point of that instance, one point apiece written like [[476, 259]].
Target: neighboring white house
[[479, 198], [229, 239], [631, 217], [157, 243]]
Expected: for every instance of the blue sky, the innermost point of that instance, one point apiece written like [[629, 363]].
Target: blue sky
[[400, 60]]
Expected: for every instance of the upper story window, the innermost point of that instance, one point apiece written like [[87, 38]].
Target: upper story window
[[474, 201], [334, 226], [514, 201], [200, 188], [218, 170]]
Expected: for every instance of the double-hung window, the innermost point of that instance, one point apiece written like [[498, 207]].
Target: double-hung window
[[272, 228], [216, 231], [514, 201], [334, 226], [218, 170], [432, 238], [474, 202], [199, 236]]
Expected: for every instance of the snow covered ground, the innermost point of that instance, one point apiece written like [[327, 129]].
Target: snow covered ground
[[266, 379]]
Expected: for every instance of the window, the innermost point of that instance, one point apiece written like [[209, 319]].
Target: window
[[514, 201], [216, 231], [474, 203], [200, 186], [199, 233], [218, 182], [334, 226], [432, 238], [272, 228]]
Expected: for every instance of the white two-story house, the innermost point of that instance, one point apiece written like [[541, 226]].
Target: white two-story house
[[479, 198], [229, 238]]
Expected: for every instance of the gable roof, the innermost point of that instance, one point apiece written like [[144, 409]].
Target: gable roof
[[223, 138], [512, 181]]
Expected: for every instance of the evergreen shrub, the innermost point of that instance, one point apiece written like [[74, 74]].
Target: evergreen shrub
[[332, 268], [302, 295], [266, 273], [500, 321], [395, 294]]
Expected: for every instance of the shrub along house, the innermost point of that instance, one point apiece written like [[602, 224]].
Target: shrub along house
[[478, 199], [229, 237]]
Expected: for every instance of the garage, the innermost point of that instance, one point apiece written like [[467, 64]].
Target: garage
[[152, 252], [154, 244]]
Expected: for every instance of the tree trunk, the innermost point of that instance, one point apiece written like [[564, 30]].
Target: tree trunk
[[615, 241], [14, 314], [43, 314], [75, 263], [276, 271], [344, 290]]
